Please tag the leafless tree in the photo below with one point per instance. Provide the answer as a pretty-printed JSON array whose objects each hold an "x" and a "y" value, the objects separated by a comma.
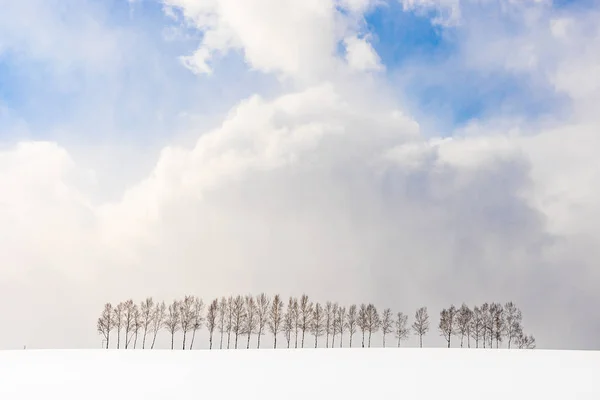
[
  {"x": 351, "y": 322},
  {"x": 186, "y": 316},
  {"x": 328, "y": 321},
  {"x": 172, "y": 320},
  {"x": 463, "y": 324},
  {"x": 373, "y": 321},
  {"x": 239, "y": 318},
  {"x": 251, "y": 318},
  {"x": 421, "y": 324},
  {"x": 402, "y": 329},
  {"x": 340, "y": 323},
  {"x": 334, "y": 328},
  {"x": 447, "y": 324},
  {"x": 386, "y": 323},
  {"x": 525, "y": 341},
  {"x": 146, "y": 309},
  {"x": 513, "y": 319},
  {"x": 137, "y": 324},
  {"x": 105, "y": 323},
  {"x": 262, "y": 312},
  {"x": 288, "y": 321},
  {"x": 197, "y": 318},
  {"x": 229, "y": 319},
  {"x": 486, "y": 323},
  {"x": 222, "y": 319},
  {"x": 128, "y": 316},
  {"x": 158, "y": 318},
  {"x": 211, "y": 321},
  {"x": 498, "y": 328},
  {"x": 317, "y": 322},
  {"x": 477, "y": 326},
  {"x": 118, "y": 313},
  {"x": 296, "y": 319},
  {"x": 362, "y": 321},
  {"x": 306, "y": 311},
  {"x": 275, "y": 317}
]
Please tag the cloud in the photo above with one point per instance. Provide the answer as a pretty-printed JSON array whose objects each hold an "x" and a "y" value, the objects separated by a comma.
[{"x": 326, "y": 186}]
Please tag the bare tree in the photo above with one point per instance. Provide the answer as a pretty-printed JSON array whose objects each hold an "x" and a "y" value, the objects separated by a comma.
[
  {"x": 229, "y": 319},
  {"x": 486, "y": 323},
  {"x": 513, "y": 319},
  {"x": 351, "y": 322},
  {"x": 497, "y": 331},
  {"x": 463, "y": 323},
  {"x": 317, "y": 322},
  {"x": 197, "y": 318},
  {"x": 275, "y": 317},
  {"x": 340, "y": 323},
  {"x": 402, "y": 329},
  {"x": 128, "y": 316},
  {"x": 288, "y": 321},
  {"x": 362, "y": 321},
  {"x": 373, "y": 321},
  {"x": 334, "y": 328},
  {"x": 328, "y": 320},
  {"x": 171, "y": 321},
  {"x": 447, "y": 324},
  {"x": 239, "y": 317},
  {"x": 186, "y": 316},
  {"x": 105, "y": 323},
  {"x": 251, "y": 318},
  {"x": 386, "y": 323},
  {"x": 137, "y": 324},
  {"x": 118, "y": 313},
  {"x": 421, "y": 324},
  {"x": 158, "y": 318},
  {"x": 146, "y": 308},
  {"x": 211, "y": 321},
  {"x": 262, "y": 312},
  {"x": 296, "y": 318},
  {"x": 222, "y": 319},
  {"x": 306, "y": 311},
  {"x": 477, "y": 326},
  {"x": 525, "y": 341}
]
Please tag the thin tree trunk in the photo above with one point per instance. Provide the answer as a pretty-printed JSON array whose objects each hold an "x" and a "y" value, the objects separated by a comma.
[
  {"x": 333, "y": 341},
  {"x": 421, "y": 341},
  {"x": 119, "y": 339},
  {"x": 192, "y": 341},
  {"x": 316, "y": 341},
  {"x": 221, "y": 342},
  {"x": 302, "y": 338},
  {"x": 210, "y": 338},
  {"x": 258, "y": 339},
  {"x": 350, "y": 344},
  {"x": 327, "y": 340},
  {"x": 248, "y": 343},
  {"x": 172, "y": 340},
  {"x": 384, "y": 341},
  {"x": 228, "y": 339},
  {"x": 369, "y": 339},
  {"x": 296, "y": 339},
  {"x": 363, "y": 339},
  {"x": 183, "y": 340},
  {"x": 153, "y": 340},
  {"x": 144, "y": 339},
  {"x": 107, "y": 339},
  {"x": 135, "y": 341},
  {"x": 236, "y": 339},
  {"x": 275, "y": 341}
]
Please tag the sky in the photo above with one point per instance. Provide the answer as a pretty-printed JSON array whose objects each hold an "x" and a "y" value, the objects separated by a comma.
[
  {"x": 364, "y": 373},
  {"x": 406, "y": 153}
]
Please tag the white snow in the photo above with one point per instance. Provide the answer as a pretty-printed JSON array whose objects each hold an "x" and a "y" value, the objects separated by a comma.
[{"x": 300, "y": 374}]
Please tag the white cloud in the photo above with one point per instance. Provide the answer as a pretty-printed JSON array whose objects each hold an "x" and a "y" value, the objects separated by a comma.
[{"x": 328, "y": 182}]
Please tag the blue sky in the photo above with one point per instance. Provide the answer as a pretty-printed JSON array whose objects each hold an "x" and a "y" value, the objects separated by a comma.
[{"x": 153, "y": 89}]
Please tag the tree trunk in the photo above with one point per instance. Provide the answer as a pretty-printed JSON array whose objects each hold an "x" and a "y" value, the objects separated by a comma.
[
  {"x": 421, "y": 341},
  {"x": 296, "y": 339},
  {"x": 210, "y": 341},
  {"x": 172, "y": 340},
  {"x": 258, "y": 339},
  {"x": 153, "y": 340},
  {"x": 144, "y": 339},
  {"x": 236, "y": 339},
  {"x": 316, "y": 341},
  {"x": 302, "y": 338},
  {"x": 363, "y": 339},
  {"x": 327, "y": 340},
  {"x": 332, "y": 341},
  {"x": 370, "y": 339},
  {"x": 350, "y": 345},
  {"x": 221, "y": 342},
  {"x": 135, "y": 341},
  {"x": 192, "y": 341},
  {"x": 228, "y": 339},
  {"x": 184, "y": 340},
  {"x": 248, "y": 343},
  {"x": 275, "y": 340},
  {"x": 118, "y": 339},
  {"x": 384, "y": 341},
  {"x": 107, "y": 339}
]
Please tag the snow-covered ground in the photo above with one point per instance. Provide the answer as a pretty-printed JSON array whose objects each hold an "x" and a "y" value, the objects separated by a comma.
[{"x": 300, "y": 374}]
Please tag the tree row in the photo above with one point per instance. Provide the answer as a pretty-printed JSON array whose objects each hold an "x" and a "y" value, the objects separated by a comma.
[{"x": 235, "y": 320}]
